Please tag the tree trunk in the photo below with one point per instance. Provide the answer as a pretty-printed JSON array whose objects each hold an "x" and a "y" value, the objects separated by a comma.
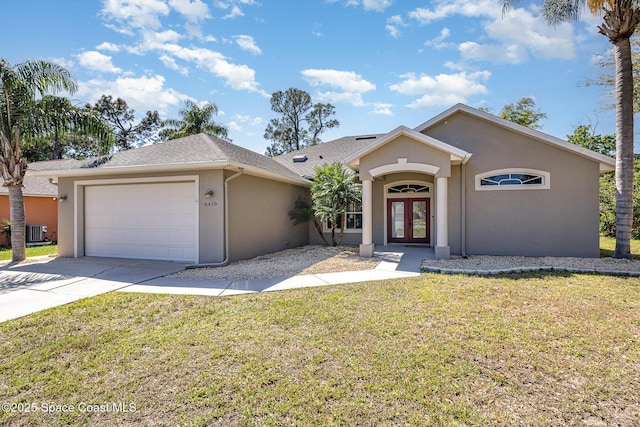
[
  {"x": 344, "y": 223},
  {"x": 624, "y": 147},
  {"x": 16, "y": 215}
]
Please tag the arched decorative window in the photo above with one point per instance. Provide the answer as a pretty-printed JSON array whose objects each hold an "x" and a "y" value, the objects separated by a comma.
[
  {"x": 513, "y": 179},
  {"x": 408, "y": 188}
]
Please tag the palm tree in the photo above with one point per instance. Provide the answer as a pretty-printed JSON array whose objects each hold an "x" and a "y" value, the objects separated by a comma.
[
  {"x": 620, "y": 19},
  {"x": 56, "y": 119},
  {"x": 333, "y": 190},
  {"x": 194, "y": 120},
  {"x": 302, "y": 212},
  {"x": 20, "y": 85}
]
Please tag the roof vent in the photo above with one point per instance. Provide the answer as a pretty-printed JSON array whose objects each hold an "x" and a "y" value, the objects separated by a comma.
[
  {"x": 365, "y": 137},
  {"x": 299, "y": 158}
]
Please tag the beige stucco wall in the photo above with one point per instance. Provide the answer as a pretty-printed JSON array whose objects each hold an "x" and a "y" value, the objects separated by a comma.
[
  {"x": 405, "y": 147},
  {"x": 259, "y": 221},
  {"x": 560, "y": 221}
]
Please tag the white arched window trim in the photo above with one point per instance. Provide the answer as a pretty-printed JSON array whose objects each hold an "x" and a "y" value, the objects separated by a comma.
[{"x": 546, "y": 180}]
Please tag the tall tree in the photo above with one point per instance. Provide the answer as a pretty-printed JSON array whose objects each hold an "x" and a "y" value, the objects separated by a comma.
[
  {"x": 585, "y": 136},
  {"x": 122, "y": 119},
  {"x": 524, "y": 112},
  {"x": 333, "y": 190},
  {"x": 56, "y": 125},
  {"x": 194, "y": 120},
  {"x": 20, "y": 86},
  {"x": 301, "y": 124},
  {"x": 620, "y": 19}
]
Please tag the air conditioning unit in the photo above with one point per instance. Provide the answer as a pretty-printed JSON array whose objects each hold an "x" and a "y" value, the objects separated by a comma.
[{"x": 35, "y": 233}]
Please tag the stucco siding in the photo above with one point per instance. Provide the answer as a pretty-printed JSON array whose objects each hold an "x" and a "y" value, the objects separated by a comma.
[
  {"x": 38, "y": 210},
  {"x": 258, "y": 217},
  {"x": 559, "y": 221},
  {"x": 405, "y": 147}
]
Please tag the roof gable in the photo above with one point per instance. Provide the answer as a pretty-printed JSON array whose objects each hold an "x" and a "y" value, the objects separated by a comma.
[
  {"x": 456, "y": 155},
  {"x": 606, "y": 163}
]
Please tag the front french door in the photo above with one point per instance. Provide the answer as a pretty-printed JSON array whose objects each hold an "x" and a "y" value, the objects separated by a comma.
[{"x": 408, "y": 220}]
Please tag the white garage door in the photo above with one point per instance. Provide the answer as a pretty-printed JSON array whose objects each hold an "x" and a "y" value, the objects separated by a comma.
[{"x": 145, "y": 221}]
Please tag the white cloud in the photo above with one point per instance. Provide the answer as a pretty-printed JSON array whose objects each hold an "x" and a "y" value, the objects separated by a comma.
[
  {"x": 194, "y": 10},
  {"x": 511, "y": 38},
  {"x": 66, "y": 63},
  {"x": 247, "y": 43},
  {"x": 440, "y": 41},
  {"x": 375, "y": 5},
  {"x": 382, "y": 109},
  {"x": 234, "y": 7},
  {"x": 111, "y": 47},
  {"x": 350, "y": 84},
  {"x": 141, "y": 93},
  {"x": 393, "y": 26},
  {"x": 171, "y": 63},
  {"x": 443, "y": 89},
  {"x": 136, "y": 13},
  {"x": 234, "y": 126},
  {"x": 97, "y": 61}
]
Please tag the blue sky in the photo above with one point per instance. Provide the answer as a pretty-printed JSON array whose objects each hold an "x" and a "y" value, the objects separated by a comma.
[{"x": 382, "y": 63}]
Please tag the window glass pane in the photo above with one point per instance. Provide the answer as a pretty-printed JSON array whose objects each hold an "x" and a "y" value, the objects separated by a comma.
[
  {"x": 419, "y": 227},
  {"x": 354, "y": 221},
  {"x": 397, "y": 220}
]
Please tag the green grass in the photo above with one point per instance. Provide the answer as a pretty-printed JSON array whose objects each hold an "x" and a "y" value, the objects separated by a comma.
[
  {"x": 6, "y": 254},
  {"x": 539, "y": 349},
  {"x": 608, "y": 245}
]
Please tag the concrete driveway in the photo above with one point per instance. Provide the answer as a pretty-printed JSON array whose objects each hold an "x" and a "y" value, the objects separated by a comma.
[{"x": 28, "y": 288}]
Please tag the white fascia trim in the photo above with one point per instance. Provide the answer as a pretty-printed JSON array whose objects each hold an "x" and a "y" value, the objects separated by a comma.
[
  {"x": 455, "y": 153},
  {"x": 169, "y": 167},
  {"x": 545, "y": 186},
  {"x": 172, "y": 167},
  {"x": 404, "y": 167},
  {"x": 607, "y": 164}
]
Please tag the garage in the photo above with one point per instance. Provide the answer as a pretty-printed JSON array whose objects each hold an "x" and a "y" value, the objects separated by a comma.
[{"x": 141, "y": 220}]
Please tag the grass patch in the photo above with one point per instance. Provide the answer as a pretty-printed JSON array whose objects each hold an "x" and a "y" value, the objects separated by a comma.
[
  {"x": 536, "y": 349},
  {"x": 7, "y": 253},
  {"x": 608, "y": 246}
]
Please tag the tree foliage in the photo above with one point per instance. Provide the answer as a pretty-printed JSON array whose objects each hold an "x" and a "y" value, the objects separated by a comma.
[
  {"x": 128, "y": 133},
  {"x": 194, "y": 120},
  {"x": 585, "y": 136},
  {"x": 524, "y": 113},
  {"x": 20, "y": 88},
  {"x": 333, "y": 190},
  {"x": 302, "y": 213},
  {"x": 56, "y": 126},
  {"x": 301, "y": 122},
  {"x": 620, "y": 18}
]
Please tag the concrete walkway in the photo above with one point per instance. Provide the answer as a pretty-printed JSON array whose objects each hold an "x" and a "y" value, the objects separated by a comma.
[{"x": 29, "y": 288}]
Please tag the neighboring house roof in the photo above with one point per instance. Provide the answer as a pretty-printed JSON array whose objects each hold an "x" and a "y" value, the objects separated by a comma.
[
  {"x": 36, "y": 187},
  {"x": 326, "y": 153},
  {"x": 40, "y": 186},
  {"x": 193, "y": 152},
  {"x": 607, "y": 163}
]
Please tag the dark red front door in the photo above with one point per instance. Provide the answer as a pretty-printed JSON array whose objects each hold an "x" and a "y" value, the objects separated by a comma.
[{"x": 408, "y": 220}]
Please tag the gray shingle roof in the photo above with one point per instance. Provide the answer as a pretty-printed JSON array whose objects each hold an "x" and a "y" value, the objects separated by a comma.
[
  {"x": 326, "y": 153},
  {"x": 201, "y": 148}
]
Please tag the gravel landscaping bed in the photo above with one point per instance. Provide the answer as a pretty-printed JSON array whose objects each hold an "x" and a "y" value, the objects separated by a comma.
[
  {"x": 310, "y": 259},
  {"x": 485, "y": 265}
]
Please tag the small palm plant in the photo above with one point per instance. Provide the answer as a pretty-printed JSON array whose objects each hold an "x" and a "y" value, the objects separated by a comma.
[
  {"x": 334, "y": 188},
  {"x": 303, "y": 212},
  {"x": 6, "y": 230}
]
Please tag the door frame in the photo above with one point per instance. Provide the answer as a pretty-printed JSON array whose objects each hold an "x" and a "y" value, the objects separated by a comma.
[
  {"x": 430, "y": 206},
  {"x": 408, "y": 220}
]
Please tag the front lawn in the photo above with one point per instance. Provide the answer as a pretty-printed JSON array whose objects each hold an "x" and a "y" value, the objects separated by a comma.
[
  {"x": 538, "y": 349},
  {"x": 6, "y": 253},
  {"x": 608, "y": 246}
]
